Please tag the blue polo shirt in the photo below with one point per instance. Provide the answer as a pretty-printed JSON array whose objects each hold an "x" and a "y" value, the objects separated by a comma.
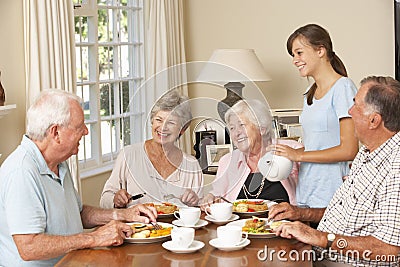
[{"x": 34, "y": 200}]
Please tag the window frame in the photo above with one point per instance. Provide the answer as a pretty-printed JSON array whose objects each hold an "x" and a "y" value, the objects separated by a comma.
[{"x": 100, "y": 161}]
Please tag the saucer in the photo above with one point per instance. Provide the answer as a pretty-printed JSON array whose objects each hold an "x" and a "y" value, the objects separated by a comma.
[
  {"x": 199, "y": 224},
  {"x": 232, "y": 218},
  {"x": 196, "y": 245},
  {"x": 215, "y": 243}
]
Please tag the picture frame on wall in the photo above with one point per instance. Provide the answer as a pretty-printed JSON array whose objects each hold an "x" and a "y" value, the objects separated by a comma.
[{"x": 215, "y": 152}]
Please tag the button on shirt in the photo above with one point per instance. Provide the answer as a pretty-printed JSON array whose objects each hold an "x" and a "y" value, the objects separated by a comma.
[{"x": 368, "y": 203}]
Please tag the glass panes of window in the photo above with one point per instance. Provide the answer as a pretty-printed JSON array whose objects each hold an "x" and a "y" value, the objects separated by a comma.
[
  {"x": 104, "y": 2},
  {"x": 82, "y": 63},
  {"x": 83, "y": 92},
  {"x": 108, "y": 135},
  {"x": 81, "y": 27},
  {"x": 106, "y": 100},
  {"x": 123, "y": 28},
  {"x": 106, "y": 58},
  {"x": 123, "y": 61},
  {"x": 109, "y": 64},
  {"x": 125, "y": 97},
  {"x": 126, "y": 130},
  {"x": 105, "y": 33}
]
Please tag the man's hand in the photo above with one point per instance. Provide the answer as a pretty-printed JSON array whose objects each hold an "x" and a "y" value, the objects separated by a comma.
[
  {"x": 302, "y": 232},
  {"x": 111, "y": 234},
  {"x": 283, "y": 211},
  {"x": 139, "y": 213},
  {"x": 121, "y": 198}
]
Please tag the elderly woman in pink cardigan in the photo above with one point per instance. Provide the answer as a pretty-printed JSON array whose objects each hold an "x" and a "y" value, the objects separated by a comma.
[{"x": 238, "y": 177}]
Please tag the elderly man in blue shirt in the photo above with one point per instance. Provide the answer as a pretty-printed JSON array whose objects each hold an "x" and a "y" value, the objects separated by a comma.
[{"x": 41, "y": 215}]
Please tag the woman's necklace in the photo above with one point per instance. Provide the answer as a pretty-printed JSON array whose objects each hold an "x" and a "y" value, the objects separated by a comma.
[{"x": 246, "y": 191}]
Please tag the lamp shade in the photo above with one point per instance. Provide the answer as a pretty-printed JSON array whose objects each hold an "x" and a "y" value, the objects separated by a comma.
[{"x": 233, "y": 65}]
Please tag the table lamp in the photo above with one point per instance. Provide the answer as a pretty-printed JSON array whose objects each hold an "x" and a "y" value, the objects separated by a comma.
[{"x": 232, "y": 67}]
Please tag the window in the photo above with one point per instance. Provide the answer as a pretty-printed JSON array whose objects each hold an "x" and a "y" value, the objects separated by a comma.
[{"x": 109, "y": 72}]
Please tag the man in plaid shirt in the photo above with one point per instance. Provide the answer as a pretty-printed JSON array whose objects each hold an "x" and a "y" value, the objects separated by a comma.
[{"x": 361, "y": 225}]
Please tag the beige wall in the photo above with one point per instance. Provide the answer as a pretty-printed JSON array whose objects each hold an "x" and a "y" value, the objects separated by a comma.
[
  {"x": 362, "y": 33},
  {"x": 92, "y": 188},
  {"x": 12, "y": 126}
]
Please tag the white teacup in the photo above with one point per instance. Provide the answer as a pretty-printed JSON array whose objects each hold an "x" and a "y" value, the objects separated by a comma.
[
  {"x": 231, "y": 235},
  {"x": 189, "y": 216},
  {"x": 182, "y": 237},
  {"x": 220, "y": 211}
]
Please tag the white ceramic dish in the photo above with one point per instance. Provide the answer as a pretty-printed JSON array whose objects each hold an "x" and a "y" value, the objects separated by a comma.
[
  {"x": 196, "y": 245},
  {"x": 242, "y": 222},
  {"x": 214, "y": 242},
  {"x": 231, "y": 219},
  {"x": 255, "y": 213},
  {"x": 199, "y": 224},
  {"x": 164, "y": 215},
  {"x": 149, "y": 239}
]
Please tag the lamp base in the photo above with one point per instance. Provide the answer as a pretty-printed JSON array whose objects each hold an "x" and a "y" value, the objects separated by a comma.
[{"x": 233, "y": 95}]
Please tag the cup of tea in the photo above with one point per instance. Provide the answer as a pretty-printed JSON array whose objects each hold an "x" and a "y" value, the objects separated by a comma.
[
  {"x": 231, "y": 235},
  {"x": 189, "y": 216},
  {"x": 182, "y": 237},
  {"x": 220, "y": 211}
]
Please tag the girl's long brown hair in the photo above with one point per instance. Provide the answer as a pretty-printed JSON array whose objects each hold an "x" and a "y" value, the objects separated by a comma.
[{"x": 317, "y": 36}]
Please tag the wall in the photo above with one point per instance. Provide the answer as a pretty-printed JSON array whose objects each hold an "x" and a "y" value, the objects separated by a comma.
[
  {"x": 12, "y": 126},
  {"x": 92, "y": 188},
  {"x": 362, "y": 32}
]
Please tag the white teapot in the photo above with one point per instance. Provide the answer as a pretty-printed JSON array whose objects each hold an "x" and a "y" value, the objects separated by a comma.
[{"x": 275, "y": 168}]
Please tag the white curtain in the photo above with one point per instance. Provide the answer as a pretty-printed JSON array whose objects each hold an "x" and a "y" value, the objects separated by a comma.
[
  {"x": 50, "y": 53},
  {"x": 165, "y": 52}
]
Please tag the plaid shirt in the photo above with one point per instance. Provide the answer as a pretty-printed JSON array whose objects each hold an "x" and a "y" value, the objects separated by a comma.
[{"x": 368, "y": 203}]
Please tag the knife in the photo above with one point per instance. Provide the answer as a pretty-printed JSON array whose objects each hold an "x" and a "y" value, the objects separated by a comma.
[{"x": 134, "y": 197}]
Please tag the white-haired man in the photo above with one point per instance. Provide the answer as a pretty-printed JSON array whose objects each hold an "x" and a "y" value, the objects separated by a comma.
[{"x": 41, "y": 215}]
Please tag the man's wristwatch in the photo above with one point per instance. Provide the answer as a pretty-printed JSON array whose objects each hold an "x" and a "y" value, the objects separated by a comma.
[{"x": 331, "y": 237}]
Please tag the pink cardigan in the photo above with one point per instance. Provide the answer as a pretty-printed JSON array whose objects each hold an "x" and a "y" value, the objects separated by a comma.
[{"x": 233, "y": 171}]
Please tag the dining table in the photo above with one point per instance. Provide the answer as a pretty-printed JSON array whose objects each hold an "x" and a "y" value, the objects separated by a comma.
[{"x": 272, "y": 251}]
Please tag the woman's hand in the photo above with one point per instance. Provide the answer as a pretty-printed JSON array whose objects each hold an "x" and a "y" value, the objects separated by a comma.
[
  {"x": 207, "y": 201},
  {"x": 121, "y": 198},
  {"x": 190, "y": 198},
  {"x": 288, "y": 152}
]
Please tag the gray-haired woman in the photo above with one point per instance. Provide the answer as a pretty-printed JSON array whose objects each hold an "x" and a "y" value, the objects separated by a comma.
[
  {"x": 238, "y": 177},
  {"x": 157, "y": 167}
]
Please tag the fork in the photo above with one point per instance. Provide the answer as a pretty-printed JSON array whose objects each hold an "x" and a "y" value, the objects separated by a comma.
[
  {"x": 156, "y": 225},
  {"x": 170, "y": 196}
]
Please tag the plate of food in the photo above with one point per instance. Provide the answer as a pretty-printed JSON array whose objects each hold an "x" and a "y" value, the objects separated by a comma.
[
  {"x": 256, "y": 227},
  {"x": 145, "y": 233},
  {"x": 251, "y": 207},
  {"x": 164, "y": 209}
]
